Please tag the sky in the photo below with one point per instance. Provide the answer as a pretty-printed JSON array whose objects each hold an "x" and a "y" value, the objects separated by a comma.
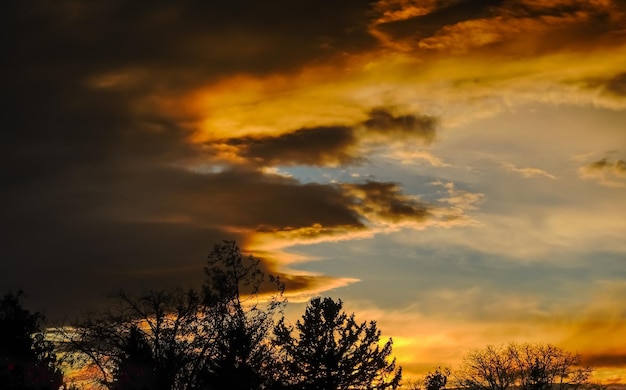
[{"x": 454, "y": 170}]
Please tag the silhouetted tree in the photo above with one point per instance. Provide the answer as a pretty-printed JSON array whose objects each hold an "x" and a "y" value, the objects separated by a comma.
[
  {"x": 332, "y": 351},
  {"x": 136, "y": 368},
  {"x": 27, "y": 360},
  {"x": 243, "y": 318},
  {"x": 212, "y": 339},
  {"x": 546, "y": 367},
  {"x": 436, "y": 380},
  {"x": 526, "y": 366},
  {"x": 161, "y": 329},
  {"x": 492, "y": 368}
]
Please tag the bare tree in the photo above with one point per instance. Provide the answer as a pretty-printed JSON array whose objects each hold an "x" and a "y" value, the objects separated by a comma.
[
  {"x": 526, "y": 366},
  {"x": 183, "y": 340},
  {"x": 167, "y": 321},
  {"x": 492, "y": 368},
  {"x": 546, "y": 367}
]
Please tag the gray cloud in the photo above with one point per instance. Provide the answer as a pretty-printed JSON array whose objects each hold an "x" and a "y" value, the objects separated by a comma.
[
  {"x": 386, "y": 202},
  {"x": 418, "y": 126},
  {"x": 331, "y": 145},
  {"x": 312, "y": 146},
  {"x": 97, "y": 194},
  {"x": 93, "y": 189}
]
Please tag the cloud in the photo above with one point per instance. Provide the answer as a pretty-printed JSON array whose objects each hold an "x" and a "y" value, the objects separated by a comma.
[
  {"x": 461, "y": 26},
  {"x": 605, "y": 172},
  {"x": 325, "y": 145},
  {"x": 315, "y": 146},
  {"x": 383, "y": 122},
  {"x": 401, "y": 23},
  {"x": 527, "y": 172},
  {"x": 617, "y": 85},
  {"x": 457, "y": 205},
  {"x": 191, "y": 37},
  {"x": 384, "y": 202},
  {"x": 605, "y": 360}
]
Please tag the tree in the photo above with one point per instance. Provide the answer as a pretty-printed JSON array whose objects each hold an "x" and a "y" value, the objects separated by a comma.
[
  {"x": 159, "y": 331},
  {"x": 489, "y": 369},
  {"x": 546, "y": 367},
  {"x": 526, "y": 366},
  {"x": 212, "y": 338},
  {"x": 27, "y": 360},
  {"x": 436, "y": 380},
  {"x": 241, "y": 358},
  {"x": 332, "y": 351},
  {"x": 136, "y": 366}
]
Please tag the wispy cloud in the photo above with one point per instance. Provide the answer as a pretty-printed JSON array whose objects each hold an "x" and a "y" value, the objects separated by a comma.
[{"x": 527, "y": 172}]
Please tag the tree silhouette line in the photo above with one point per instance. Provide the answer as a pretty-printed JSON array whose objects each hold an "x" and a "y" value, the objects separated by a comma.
[{"x": 231, "y": 334}]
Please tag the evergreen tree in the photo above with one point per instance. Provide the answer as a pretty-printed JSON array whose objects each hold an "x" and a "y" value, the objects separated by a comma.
[{"x": 331, "y": 351}]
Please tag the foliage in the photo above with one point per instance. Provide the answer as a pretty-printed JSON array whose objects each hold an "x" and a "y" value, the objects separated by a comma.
[
  {"x": 525, "y": 366},
  {"x": 212, "y": 339},
  {"x": 135, "y": 366},
  {"x": 332, "y": 351},
  {"x": 241, "y": 358},
  {"x": 27, "y": 360},
  {"x": 436, "y": 380},
  {"x": 157, "y": 329}
]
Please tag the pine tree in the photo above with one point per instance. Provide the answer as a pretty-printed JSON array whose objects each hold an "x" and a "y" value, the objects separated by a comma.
[{"x": 332, "y": 351}]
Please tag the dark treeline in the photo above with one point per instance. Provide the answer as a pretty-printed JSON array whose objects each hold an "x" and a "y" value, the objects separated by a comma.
[
  {"x": 228, "y": 334},
  {"x": 231, "y": 333}
]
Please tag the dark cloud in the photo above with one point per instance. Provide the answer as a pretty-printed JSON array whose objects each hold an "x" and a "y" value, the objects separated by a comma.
[
  {"x": 313, "y": 146},
  {"x": 617, "y": 167},
  {"x": 445, "y": 13},
  {"x": 330, "y": 145},
  {"x": 617, "y": 85},
  {"x": 183, "y": 42},
  {"x": 612, "y": 86},
  {"x": 98, "y": 187},
  {"x": 418, "y": 126},
  {"x": 605, "y": 360},
  {"x": 381, "y": 201},
  {"x": 506, "y": 27},
  {"x": 76, "y": 235}
]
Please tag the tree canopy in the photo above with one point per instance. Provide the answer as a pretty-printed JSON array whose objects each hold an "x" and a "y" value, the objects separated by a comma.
[
  {"x": 27, "y": 360},
  {"x": 228, "y": 335},
  {"x": 330, "y": 350},
  {"x": 212, "y": 338}
]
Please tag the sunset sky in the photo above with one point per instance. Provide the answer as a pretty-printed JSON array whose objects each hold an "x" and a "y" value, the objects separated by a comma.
[{"x": 455, "y": 170}]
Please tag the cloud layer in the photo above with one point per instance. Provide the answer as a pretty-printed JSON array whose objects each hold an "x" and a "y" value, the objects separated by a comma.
[{"x": 378, "y": 138}]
